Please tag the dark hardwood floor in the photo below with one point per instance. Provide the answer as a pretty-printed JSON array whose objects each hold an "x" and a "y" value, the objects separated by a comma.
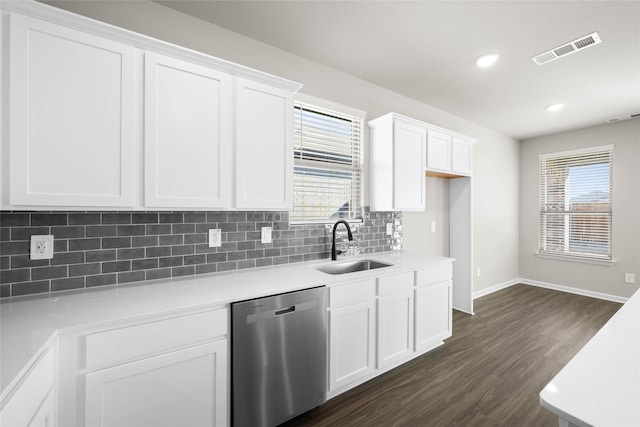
[{"x": 489, "y": 373}]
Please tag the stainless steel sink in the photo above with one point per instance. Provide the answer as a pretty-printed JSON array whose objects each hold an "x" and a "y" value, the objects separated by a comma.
[{"x": 351, "y": 266}]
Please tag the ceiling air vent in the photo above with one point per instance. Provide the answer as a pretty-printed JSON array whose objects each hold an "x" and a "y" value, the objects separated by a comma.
[
  {"x": 618, "y": 119},
  {"x": 567, "y": 49}
]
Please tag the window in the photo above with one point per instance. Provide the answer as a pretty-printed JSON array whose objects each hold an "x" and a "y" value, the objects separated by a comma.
[
  {"x": 575, "y": 203},
  {"x": 327, "y": 179}
]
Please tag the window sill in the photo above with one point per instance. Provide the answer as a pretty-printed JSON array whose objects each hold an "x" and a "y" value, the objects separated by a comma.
[{"x": 609, "y": 263}]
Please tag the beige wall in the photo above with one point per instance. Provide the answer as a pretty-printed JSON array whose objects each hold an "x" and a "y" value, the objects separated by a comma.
[
  {"x": 626, "y": 205},
  {"x": 495, "y": 155}
]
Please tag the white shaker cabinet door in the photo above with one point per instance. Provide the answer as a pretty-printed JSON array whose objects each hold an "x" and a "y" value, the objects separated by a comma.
[
  {"x": 187, "y": 135},
  {"x": 439, "y": 152},
  {"x": 395, "y": 328},
  {"x": 351, "y": 344},
  {"x": 461, "y": 157},
  {"x": 72, "y": 105},
  {"x": 433, "y": 315},
  {"x": 264, "y": 147},
  {"x": 409, "y": 166},
  {"x": 182, "y": 388}
]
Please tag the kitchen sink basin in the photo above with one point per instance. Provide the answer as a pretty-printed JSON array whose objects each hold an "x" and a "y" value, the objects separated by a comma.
[{"x": 351, "y": 266}]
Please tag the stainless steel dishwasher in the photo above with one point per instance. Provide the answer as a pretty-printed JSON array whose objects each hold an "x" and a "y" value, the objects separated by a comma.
[{"x": 279, "y": 357}]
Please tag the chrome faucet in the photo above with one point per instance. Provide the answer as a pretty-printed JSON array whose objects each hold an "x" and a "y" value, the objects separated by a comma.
[{"x": 333, "y": 237}]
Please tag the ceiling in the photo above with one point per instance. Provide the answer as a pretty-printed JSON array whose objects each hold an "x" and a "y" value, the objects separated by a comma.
[{"x": 426, "y": 51}]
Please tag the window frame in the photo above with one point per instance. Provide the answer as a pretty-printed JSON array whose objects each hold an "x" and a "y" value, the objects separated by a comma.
[
  {"x": 325, "y": 106},
  {"x": 567, "y": 157}
]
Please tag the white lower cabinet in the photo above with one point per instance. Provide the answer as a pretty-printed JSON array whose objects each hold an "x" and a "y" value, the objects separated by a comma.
[
  {"x": 352, "y": 344},
  {"x": 395, "y": 318},
  {"x": 167, "y": 371},
  {"x": 185, "y": 387},
  {"x": 433, "y": 306},
  {"x": 32, "y": 403},
  {"x": 378, "y": 323},
  {"x": 352, "y": 330},
  {"x": 433, "y": 315}
]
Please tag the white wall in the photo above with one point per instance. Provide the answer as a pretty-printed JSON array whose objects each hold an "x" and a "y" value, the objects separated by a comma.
[
  {"x": 495, "y": 155},
  {"x": 626, "y": 207}
]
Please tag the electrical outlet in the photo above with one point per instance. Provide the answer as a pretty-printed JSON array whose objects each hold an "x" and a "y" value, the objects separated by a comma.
[
  {"x": 433, "y": 226},
  {"x": 478, "y": 272},
  {"x": 389, "y": 228},
  {"x": 629, "y": 278},
  {"x": 215, "y": 238},
  {"x": 266, "y": 235},
  {"x": 42, "y": 247}
]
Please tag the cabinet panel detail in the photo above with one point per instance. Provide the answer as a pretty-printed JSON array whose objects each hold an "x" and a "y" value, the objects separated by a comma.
[
  {"x": 352, "y": 344},
  {"x": 395, "y": 328},
  {"x": 130, "y": 342},
  {"x": 186, "y": 387},
  {"x": 72, "y": 103},
  {"x": 264, "y": 147},
  {"x": 187, "y": 135}
]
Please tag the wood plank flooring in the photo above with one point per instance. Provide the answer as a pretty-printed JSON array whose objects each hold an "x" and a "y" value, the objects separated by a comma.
[{"x": 489, "y": 373}]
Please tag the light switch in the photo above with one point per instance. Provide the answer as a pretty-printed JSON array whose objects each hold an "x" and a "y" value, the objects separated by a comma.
[
  {"x": 215, "y": 238},
  {"x": 433, "y": 226},
  {"x": 389, "y": 228},
  {"x": 266, "y": 235}
]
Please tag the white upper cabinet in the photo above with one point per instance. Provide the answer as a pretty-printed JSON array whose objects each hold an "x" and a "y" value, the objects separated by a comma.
[
  {"x": 103, "y": 118},
  {"x": 398, "y": 156},
  {"x": 461, "y": 157},
  {"x": 187, "y": 135},
  {"x": 72, "y": 113},
  {"x": 439, "y": 151},
  {"x": 264, "y": 146},
  {"x": 448, "y": 154}
]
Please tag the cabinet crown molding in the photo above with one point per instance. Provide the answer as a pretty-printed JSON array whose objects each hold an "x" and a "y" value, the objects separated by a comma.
[{"x": 140, "y": 41}]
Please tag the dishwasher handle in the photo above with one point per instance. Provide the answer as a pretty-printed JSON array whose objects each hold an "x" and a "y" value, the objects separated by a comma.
[
  {"x": 270, "y": 314},
  {"x": 286, "y": 310}
]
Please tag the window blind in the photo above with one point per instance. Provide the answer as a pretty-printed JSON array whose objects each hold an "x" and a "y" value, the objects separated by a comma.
[
  {"x": 327, "y": 182},
  {"x": 576, "y": 203}
]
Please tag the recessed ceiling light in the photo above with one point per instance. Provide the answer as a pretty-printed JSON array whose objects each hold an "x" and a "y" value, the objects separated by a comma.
[
  {"x": 554, "y": 107},
  {"x": 487, "y": 60}
]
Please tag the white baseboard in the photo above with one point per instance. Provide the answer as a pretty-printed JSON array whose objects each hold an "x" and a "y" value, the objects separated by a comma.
[
  {"x": 495, "y": 288},
  {"x": 571, "y": 290},
  {"x": 546, "y": 285}
]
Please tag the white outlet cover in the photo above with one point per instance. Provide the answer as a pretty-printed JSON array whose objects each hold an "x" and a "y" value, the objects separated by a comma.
[
  {"x": 630, "y": 278},
  {"x": 215, "y": 237},
  {"x": 42, "y": 247},
  {"x": 266, "y": 235},
  {"x": 389, "y": 229}
]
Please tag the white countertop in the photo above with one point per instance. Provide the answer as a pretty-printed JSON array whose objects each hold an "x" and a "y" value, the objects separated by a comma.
[
  {"x": 600, "y": 386},
  {"x": 28, "y": 324}
]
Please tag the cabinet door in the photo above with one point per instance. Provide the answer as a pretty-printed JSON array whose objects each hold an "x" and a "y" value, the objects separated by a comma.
[
  {"x": 433, "y": 315},
  {"x": 395, "y": 328},
  {"x": 264, "y": 147},
  {"x": 32, "y": 403},
  {"x": 351, "y": 344},
  {"x": 461, "y": 158},
  {"x": 72, "y": 117},
  {"x": 409, "y": 167},
  {"x": 187, "y": 135},
  {"x": 439, "y": 152},
  {"x": 183, "y": 388}
]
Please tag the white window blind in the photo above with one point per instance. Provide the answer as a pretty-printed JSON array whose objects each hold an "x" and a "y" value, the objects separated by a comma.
[
  {"x": 327, "y": 183},
  {"x": 576, "y": 204}
]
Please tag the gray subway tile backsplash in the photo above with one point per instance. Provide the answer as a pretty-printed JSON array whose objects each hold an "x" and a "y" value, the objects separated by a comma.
[{"x": 106, "y": 248}]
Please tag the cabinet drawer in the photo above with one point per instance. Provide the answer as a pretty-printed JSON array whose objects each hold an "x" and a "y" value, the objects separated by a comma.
[
  {"x": 435, "y": 274},
  {"x": 395, "y": 284},
  {"x": 352, "y": 293},
  {"x": 144, "y": 339}
]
